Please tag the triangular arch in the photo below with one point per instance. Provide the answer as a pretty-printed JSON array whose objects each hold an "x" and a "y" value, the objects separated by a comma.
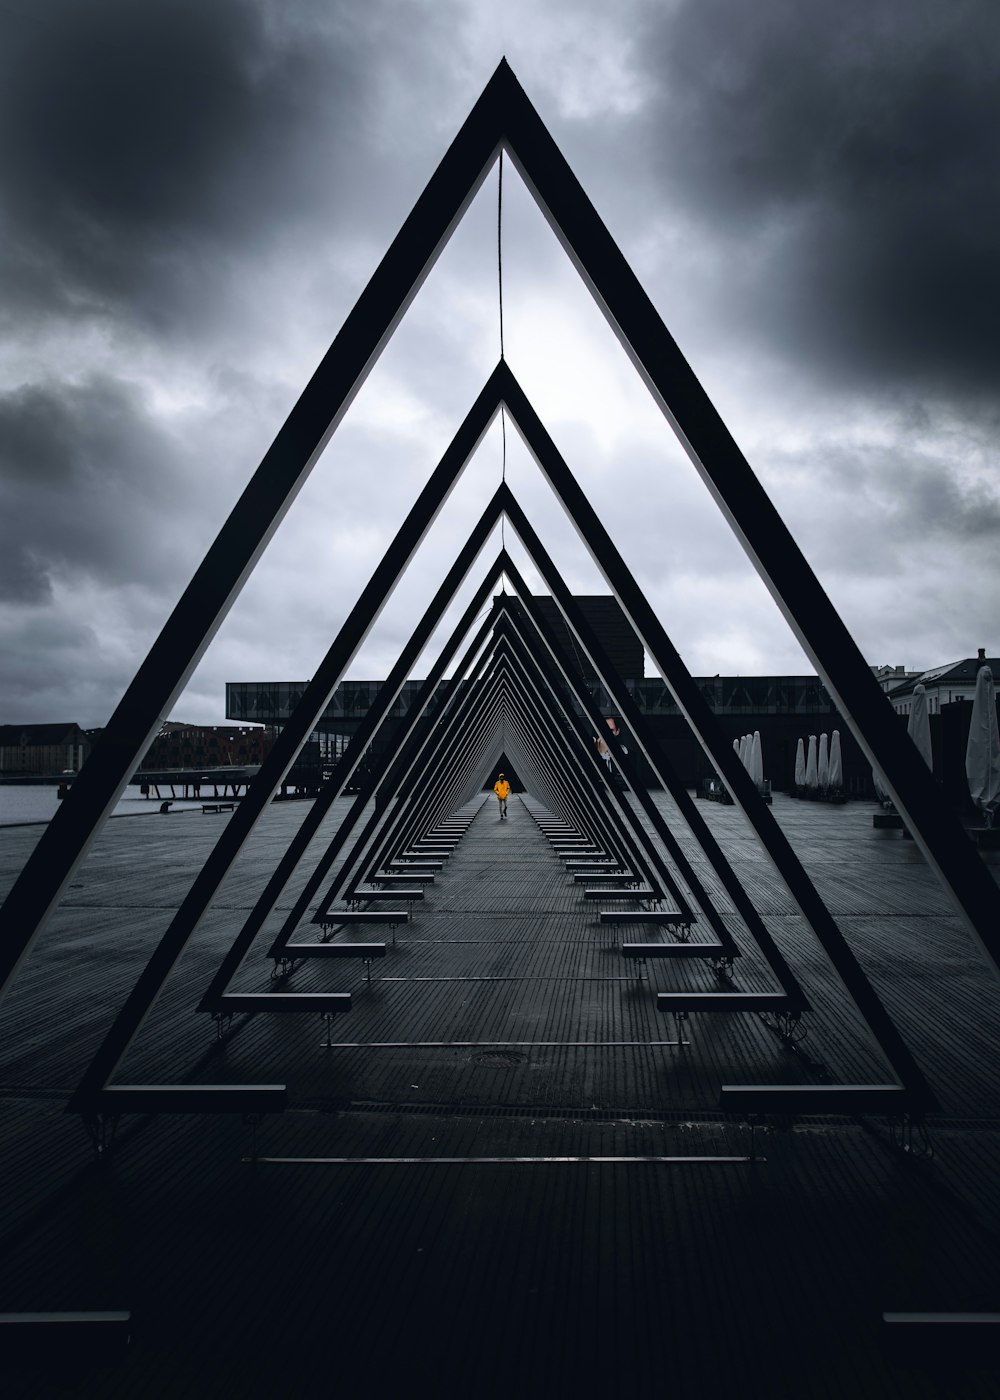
[{"x": 502, "y": 117}]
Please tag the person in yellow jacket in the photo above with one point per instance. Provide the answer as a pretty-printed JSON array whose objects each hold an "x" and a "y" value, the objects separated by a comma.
[{"x": 502, "y": 789}]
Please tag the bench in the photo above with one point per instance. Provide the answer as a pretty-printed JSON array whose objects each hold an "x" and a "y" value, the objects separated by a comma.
[
  {"x": 984, "y": 838},
  {"x": 787, "y": 1099},
  {"x": 723, "y": 1001},
  {"x": 950, "y": 1340},
  {"x": 391, "y": 877},
  {"x": 642, "y": 916},
  {"x": 610, "y": 877},
  {"x": 333, "y": 919},
  {"x": 676, "y": 950},
  {"x": 330, "y": 918},
  {"x": 326, "y": 1003},
  {"x": 193, "y": 1098},
  {"x": 64, "y": 1338},
  {"x": 207, "y": 807},
  {"x": 646, "y": 893},
  {"x": 357, "y": 895},
  {"x": 365, "y": 951}
]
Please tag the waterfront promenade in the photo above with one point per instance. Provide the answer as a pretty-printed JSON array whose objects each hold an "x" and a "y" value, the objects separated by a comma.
[{"x": 503, "y": 1025}]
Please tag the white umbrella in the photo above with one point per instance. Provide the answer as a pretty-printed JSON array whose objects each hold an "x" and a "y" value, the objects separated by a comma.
[
  {"x": 757, "y": 760},
  {"x": 743, "y": 750},
  {"x": 836, "y": 763},
  {"x": 918, "y": 726},
  {"x": 881, "y": 791},
  {"x": 824, "y": 763},
  {"x": 982, "y": 755},
  {"x": 736, "y": 747},
  {"x": 800, "y": 765},
  {"x": 812, "y": 772}
]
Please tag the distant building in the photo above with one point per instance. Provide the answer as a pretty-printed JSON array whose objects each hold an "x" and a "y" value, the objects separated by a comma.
[
  {"x": 606, "y": 619},
  {"x": 42, "y": 748},
  {"x": 181, "y": 745},
  {"x": 890, "y": 676},
  {"x": 944, "y": 684}
]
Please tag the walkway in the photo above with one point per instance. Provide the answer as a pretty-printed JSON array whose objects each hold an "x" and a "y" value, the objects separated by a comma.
[{"x": 463, "y": 1272}]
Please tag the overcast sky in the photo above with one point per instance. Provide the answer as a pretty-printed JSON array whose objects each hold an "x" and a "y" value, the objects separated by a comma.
[{"x": 195, "y": 192}]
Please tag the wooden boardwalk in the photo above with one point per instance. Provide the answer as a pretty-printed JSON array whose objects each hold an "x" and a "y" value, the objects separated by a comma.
[{"x": 429, "y": 1213}]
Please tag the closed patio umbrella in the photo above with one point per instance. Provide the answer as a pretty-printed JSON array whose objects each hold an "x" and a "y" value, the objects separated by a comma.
[
  {"x": 824, "y": 763},
  {"x": 812, "y": 769},
  {"x": 881, "y": 791},
  {"x": 800, "y": 765},
  {"x": 743, "y": 750},
  {"x": 757, "y": 760},
  {"x": 836, "y": 763},
  {"x": 982, "y": 754},
  {"x": 918, "y": 726}
]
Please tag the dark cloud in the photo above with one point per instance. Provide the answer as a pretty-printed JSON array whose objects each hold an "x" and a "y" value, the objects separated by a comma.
[
  {"x": 845, "y": 155},
  {"x": 144, "y": 145},
  {"x": 85, "y": 480}
]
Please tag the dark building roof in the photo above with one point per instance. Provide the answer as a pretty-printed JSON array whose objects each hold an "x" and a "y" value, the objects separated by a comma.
[
  {"x": 609, "y": 624},
  {"x": 955, "y": 672},
  {"x": 39, "y": 735}
]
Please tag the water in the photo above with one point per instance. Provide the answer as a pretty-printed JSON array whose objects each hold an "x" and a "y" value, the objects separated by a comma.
[{"x": 38, "y": 804}]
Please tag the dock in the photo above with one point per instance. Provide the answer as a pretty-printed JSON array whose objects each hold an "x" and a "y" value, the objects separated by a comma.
[{"x": 503, "y": 1171}]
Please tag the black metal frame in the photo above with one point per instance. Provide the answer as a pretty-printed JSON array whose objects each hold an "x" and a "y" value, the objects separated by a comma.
[{"x": 502, "y": 118}]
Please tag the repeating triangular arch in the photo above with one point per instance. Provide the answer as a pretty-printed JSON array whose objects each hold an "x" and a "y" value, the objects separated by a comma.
[{"x": 503, "y": 117}]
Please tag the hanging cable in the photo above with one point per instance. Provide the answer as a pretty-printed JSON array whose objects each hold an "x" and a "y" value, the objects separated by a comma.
[
  {"x": 500, "y": 246},
  {"x": 503, "y": 466},
  {"x": 503, "y": 418}
]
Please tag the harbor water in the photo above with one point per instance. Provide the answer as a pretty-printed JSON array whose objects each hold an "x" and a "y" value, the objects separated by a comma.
[{"x": 30, "y": 803}]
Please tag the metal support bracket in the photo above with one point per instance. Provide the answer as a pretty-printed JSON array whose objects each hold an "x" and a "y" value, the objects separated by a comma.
[
  {"x": 223, "y": 1020},
  {"x": 908, "y": 1135},
  {"x": 785, "y": 1025},
  {"x": 101, "y": 1129}
]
